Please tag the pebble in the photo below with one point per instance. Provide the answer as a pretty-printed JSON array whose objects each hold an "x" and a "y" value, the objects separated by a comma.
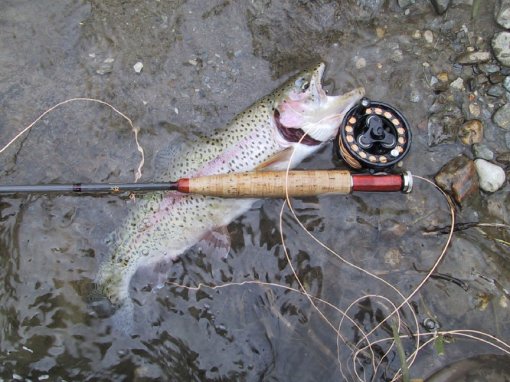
[
  {"x": 471, "y": 132},
  {"x": 458, "y": 178},
  {"x": 428, "y": 36},
  {"x": 443, "y": 77},
  {"x": 442, "y": 128},
  {"x": 397, "y": 55},
  {"x": 503, "y": 14},
  {"x": 405, "y": 3},
  {"x": 360, "y": 62},
  {"x": 489, "y": 68},
  {"x": 440, "y": 5},
  {"x": 470, "y": 58},
  {"x": 504, "y": 158},
  {"x": 380, "y": 32},
  {"x": 496, "y": 91},
  {"x": 507, "y": 140},
  {"x": 458, "y": 84},
  {"x": 506, "y": 83},
  {"x": 491, "y": 176},
  {"x": 106, "y": 66},
  {"x": 496, "y": 78},
  {"x": 501, "y": 47},
  {"x": 474, "y": 110},
  {"x": 138, "y": 67},
  {"x": 481, "y": 151},
  {"x": 415, "y": 96},
  {"x": 502, "y": 117}
]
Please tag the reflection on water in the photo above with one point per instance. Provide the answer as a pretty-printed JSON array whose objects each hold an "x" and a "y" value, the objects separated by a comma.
[{"x": 202, "y": 65}]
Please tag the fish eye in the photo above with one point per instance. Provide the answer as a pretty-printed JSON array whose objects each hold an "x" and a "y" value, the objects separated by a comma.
[{"x": 305, "y": 85}]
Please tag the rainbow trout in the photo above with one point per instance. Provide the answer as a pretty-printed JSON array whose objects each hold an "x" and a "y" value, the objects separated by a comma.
[{"x": 295, "y": 119}]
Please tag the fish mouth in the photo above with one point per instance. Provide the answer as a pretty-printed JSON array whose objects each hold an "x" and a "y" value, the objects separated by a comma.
[
  {"x": 344, "y": 102},
  {"x": 331, "y": 112}
]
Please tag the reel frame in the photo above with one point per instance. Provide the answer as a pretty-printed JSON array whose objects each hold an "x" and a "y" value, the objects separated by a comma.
[{"x": 374, "y": 136}]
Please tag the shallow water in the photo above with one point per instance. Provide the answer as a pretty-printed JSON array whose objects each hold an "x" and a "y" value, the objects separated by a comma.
[{"x": 203, "y": 64}]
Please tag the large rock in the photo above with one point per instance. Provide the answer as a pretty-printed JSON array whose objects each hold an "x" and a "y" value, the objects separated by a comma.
[
  {"x": 458, "y": 178},
  {"x": 503, "y": 13},
  {"x": 440, "y": 5},
  {"x": 502, "y": 117},
  {"x": 492, "y": 177},
  {"x": 501, "y": 47}
]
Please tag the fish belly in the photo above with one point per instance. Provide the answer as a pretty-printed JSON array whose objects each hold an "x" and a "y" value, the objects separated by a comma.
[{"x": 180, "y": 223}]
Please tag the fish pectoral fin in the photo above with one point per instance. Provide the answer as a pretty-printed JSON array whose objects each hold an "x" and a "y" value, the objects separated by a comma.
[
  {"x": 278, "y": 161},
  {"x": 215, "y": 242}
]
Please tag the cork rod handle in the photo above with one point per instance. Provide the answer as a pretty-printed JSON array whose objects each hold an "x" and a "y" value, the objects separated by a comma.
[{"x": 269, "y": 184}]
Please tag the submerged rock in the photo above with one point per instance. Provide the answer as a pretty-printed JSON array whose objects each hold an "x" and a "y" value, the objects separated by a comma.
[
  {"x": 504, "y": 158},
  {"x": 470, "y": 58},
  {"x": 502, "y": 117},
  {"x": 492, "y": 177},
  {"x": 443, "y": 125},
  {"x": 471, "y": 132},
  {"x": 440, "y": 5},
  {"x": 501, "y": 47},
  {"x": 503, "y": 13},
  {"x": 458, "y": 178},
  {"x": 483, "y": 152}
]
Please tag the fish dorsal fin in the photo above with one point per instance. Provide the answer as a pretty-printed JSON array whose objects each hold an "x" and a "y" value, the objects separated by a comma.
[
  {"x": 215, "y": 242},
  {"x": 278, "y": 161}
]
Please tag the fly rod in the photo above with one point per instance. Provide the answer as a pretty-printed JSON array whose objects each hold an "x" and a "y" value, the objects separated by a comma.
[{"x": 265, "y": 184}]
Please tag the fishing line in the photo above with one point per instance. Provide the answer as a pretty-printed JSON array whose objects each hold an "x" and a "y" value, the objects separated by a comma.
[
  {"x": 405, "y": 299},
  {"x": 135, "y": 130},
  {"x": 287, "y": 201}
]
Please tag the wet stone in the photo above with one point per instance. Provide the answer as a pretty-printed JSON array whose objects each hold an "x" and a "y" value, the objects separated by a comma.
[
  {"x": 503, "y": 13},
  {"x": 458, "y": 84},
  {"x": 458, "y": 178},
  {"x": 506, "y": 83},
  {"x": 428, "y": 36},
  {"x": 501, "y": 47},
  {"x": 471, "y": 132},
  {"x": 138, "y": 67},
  {"x": 481, "y": 151},
  {"x": 470, "y": 58},
  {"x": 502, "y": 117},
  {"x": 489, "y": 68},
  {"x": 504, "y": 158},
  {"x": 496, "y": 78},
  {"x": 492, "y": 177},
  {"x": 474, "y": 110},
  {"x": 405, "y": 3},
  {"x": 440, "y": 6},
  {"x": 496, "y": 91},
  {"x": 497, "y": 206},
  {"x": 444, "y": 123}
]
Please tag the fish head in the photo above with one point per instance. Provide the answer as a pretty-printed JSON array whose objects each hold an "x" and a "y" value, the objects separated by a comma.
[{"x": 302, "y": 106}]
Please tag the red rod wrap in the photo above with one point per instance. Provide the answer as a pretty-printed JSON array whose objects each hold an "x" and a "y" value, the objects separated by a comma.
[
  {"x": 377, "y": 183},
  {"x": 183, "y": 185}
]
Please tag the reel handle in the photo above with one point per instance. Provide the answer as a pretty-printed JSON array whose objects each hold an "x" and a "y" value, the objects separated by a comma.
[{"x": 276, "y": 184}]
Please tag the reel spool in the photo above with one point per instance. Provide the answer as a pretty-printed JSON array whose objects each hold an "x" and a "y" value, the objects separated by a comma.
[{"x": 373, "y": 135}]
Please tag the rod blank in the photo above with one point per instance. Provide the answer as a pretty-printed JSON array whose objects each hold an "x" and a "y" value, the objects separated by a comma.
[{"x": 111, "y": 188}]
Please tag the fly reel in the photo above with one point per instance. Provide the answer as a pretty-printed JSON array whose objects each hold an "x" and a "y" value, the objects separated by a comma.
[{"x": 373, "y": 135}]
